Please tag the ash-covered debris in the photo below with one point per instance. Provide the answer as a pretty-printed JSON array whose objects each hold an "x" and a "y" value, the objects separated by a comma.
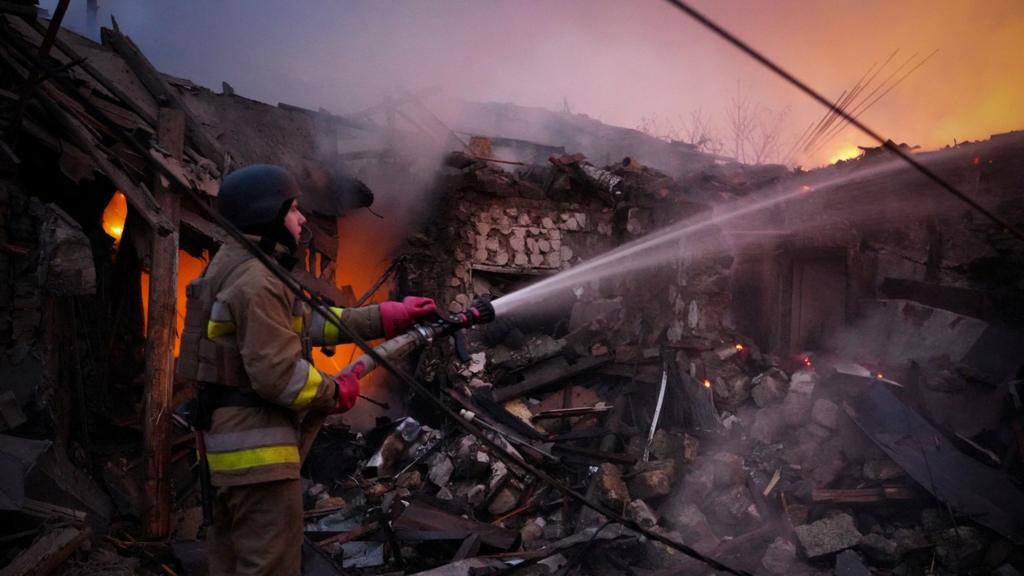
[{"x": 761, "y": 461}]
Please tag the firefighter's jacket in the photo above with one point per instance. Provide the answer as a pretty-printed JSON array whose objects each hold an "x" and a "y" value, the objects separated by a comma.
[{"x": 254, "y": 331}]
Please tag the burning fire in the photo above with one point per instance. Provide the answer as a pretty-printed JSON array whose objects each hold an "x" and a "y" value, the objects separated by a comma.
[
  {"x": 707, "y": 383},
  {"x": 739, "y": 348},
  {"x": 847, "y": 152},
  {"x": 189, "y": 268},
  {"x": 114, "y": 216}
]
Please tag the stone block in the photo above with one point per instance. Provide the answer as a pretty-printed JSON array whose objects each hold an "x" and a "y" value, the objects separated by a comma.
[
  {"x": 826, "y": 413},
  {"x": 504, "y": 502},
  {"x": 613, "y": 489},
  {"x": 803, "y": 382},
  {"x": 848, "y": 563},
  {"x": 688, "y": 520},
  {"x": 653, "y": 479},
  {"x": 796, "y": 408},
  {"x": 883, "y": 469},
  {"x": 779, "y": 557},
  {"x": 439, "y": 469},
  {"x": 639, "y": 512},
  {"x": 698, "y": 483},
  {"x": 769, "y": 425},
  {"x": 730, "y": 506},
  {"x": 769, "y": 387},
  {"x": 828, "y": 535},
  {"x": 728, "y": 469}
]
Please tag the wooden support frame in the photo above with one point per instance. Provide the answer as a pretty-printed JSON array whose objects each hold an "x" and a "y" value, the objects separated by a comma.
[
  {"x": 161, "y": 323},
  {"x": 162, "y": 92}
]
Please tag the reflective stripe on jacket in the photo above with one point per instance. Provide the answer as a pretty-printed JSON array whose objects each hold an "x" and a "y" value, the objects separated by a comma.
[{"x": 258, "y": 327}]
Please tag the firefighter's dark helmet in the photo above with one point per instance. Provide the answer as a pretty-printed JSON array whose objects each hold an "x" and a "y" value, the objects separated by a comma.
[{"x": 253, "y": 196}]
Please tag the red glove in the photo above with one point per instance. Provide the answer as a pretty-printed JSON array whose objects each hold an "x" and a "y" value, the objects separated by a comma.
[
  {"x": 348, "y": 388},
  {"x": 397, "y": 317}
]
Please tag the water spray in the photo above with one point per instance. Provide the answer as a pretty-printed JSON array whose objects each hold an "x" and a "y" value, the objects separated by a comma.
[{"x": 665, "y": 245}]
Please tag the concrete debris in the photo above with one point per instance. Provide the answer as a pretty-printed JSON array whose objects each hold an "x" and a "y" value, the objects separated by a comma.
[
  {"x": 825, "y": 413},
  {"x": 641, "y": 513},
  {"x": 828, "y": 535},
  {"x": 653, "y": 479},
  {"x": 769, "y": 387},
  {"x": 613, "y": 489},
  {"x": 728, "y": 469},
  {"x": 440, "y": 468},
  {"x": 848, "y": 563},
  {"x": 779, "y": 557}
]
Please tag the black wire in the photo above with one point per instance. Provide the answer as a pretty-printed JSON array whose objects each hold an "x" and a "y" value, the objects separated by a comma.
[{"x": 885, "y": 142}]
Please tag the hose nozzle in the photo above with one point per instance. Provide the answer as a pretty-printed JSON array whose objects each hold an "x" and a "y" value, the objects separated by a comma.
[{"x": 481, "y": 312}]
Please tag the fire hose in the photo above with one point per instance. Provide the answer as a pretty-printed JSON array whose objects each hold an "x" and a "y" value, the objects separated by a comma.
[{"x": 398, "y": 347}]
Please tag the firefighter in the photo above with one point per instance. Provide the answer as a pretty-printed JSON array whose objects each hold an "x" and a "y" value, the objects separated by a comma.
[{"x": 243, "y": 347}]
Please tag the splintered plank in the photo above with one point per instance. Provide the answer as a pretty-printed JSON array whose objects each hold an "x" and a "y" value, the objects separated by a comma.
[
  {"x": 862, "y": 495},
  {"x": 550, "y": 374},
  {"x": 421, "y": 519},
  {"x": 46, "y": 554}
]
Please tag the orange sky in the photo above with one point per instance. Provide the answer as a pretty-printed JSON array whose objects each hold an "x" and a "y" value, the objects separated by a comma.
[{"x": 614, "y": 60}]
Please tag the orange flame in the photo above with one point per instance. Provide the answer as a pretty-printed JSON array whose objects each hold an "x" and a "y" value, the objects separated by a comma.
[
  {"x": 707, "y": 383},
  {"x": 739, "y": 348},
  {"x": 189, "y": 268},
  {"x": 114, "y": 216}
]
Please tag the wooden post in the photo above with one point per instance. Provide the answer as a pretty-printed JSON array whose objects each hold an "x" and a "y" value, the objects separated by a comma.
[{"x": 161, "y": 322}]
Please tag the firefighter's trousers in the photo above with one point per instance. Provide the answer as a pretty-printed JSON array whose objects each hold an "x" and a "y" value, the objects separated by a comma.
[{"x": 257, "y": 530}]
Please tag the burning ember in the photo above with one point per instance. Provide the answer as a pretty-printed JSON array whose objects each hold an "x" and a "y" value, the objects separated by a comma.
[
  {"x": 739, "y": 348},
  {"x": 707, "y": 383}
]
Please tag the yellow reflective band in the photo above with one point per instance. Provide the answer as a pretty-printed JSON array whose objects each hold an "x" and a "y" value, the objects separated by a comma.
[
  {"x": 297, "y": 324},
  {"x": 252, "y": 457},
  {"x": 215, "y": 329},
  {"x": 331, "y": 333},
  {"x": 309, "y": 390}
]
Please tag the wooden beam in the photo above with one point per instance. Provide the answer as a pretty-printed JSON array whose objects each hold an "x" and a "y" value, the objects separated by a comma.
[
  {"x": 97, "y": 75},
  {"x": 162, "y": 92},
  {"x": 46, "y": 554},
  {"x": 555, "y": 373},
  {"x": 863, "y": 495},
  {"x": 161, "y": 323},
  {"x": 139, "y": 198}
]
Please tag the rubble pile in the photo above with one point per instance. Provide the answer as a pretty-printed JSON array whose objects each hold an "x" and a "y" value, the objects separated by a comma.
[{"x": 758, "y": 461}]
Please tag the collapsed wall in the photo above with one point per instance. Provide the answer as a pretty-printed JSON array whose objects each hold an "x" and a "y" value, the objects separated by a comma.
[{"x": 766, "y": 452}]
